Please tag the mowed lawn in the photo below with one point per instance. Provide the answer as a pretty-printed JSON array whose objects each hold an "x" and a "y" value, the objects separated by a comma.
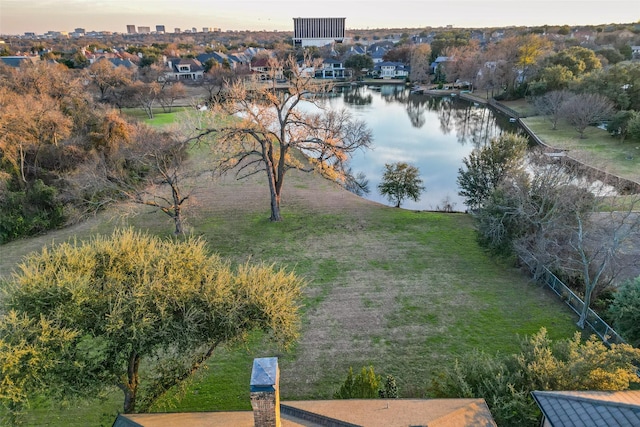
[
  {"x": 598, "y": 149},
  {"x": 403, "y": 291}
]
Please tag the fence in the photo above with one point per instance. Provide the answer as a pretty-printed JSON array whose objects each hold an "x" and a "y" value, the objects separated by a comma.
[
  {"x": 606, "y": 333},
  {"x": 504, "y": 109}
]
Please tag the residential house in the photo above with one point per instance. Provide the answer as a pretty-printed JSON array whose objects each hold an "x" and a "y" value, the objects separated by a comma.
[
  {"x": 331, "y": 69},
  {"x": 184, "y": 69},
  {"x": 355, "y": 50},
  {"x": 265, "y": 70},
  {"x": 589, "y": 408},
  {"x": 377, "y": 53},
  {"x": 439, "y": 60},
  {"x": 16, "y": 61},
  {"x": 391, "y": 70},
  {"x": 635, "y": 51},
  {"x": 269, "y": 411}
]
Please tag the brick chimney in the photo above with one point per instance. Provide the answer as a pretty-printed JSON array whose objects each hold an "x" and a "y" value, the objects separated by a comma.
[{"x": 265, "y": 392}]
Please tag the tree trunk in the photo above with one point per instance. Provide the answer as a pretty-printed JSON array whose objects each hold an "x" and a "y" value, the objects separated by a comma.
[
  {"x": 177, "y": 219},
  {"x": 131, "y": 388},
  {"x": 275, "y": 207},
  {"x": 585, "y": 307}
]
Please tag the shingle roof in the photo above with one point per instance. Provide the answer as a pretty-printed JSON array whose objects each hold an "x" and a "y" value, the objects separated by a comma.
[
  {"x": 15, "y": 61},
  {"x": 589, "y": 409},
  {"x": 351, "y": 412}
]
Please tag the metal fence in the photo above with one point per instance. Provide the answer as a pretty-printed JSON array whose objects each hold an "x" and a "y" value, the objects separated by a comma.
[{"x": 542, "y": 274}]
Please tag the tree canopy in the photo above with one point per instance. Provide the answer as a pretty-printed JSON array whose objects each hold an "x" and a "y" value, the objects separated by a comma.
[
  {"x": 79, "y": 318},
  {"x": 401, "y": 181},
  {"x": 486, "y": 166}
]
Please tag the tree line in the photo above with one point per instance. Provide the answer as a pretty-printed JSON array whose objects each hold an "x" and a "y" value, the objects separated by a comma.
[{"x": 63, "y": 154}]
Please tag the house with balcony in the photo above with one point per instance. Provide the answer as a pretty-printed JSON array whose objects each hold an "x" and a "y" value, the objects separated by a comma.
[
  {"x": 331, "y": 69},
  {"x": 391, "y": 70}
]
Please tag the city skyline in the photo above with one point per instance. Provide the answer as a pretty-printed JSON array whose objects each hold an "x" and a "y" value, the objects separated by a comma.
[{"x": 40, "y": 16}]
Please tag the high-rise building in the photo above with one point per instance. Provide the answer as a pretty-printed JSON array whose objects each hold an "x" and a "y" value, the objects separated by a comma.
[
  {"x": 144, "y": 30},
  {"x": 206, "y": 29},
  {"x": 318, "y": 31},
  {"x": 160, "y": 29},
  {"x": 176, "y": 30},
  {"x": 131, "y": 29}
]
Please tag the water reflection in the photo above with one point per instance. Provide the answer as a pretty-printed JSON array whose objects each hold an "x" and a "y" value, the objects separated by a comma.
[{"x": 432, "y": 133}]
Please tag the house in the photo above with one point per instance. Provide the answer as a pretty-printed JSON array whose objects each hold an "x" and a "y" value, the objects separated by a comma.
[
  {"x": 635, "y": 51},
  {"x": 331, "y": 69},
  {"x": 263, "y": 67},
  {"x": 184, "y": 69},
  {"x": 355, "y": 50},
  {"x": 439, "y": 60},
  {"x": 269, "y": 411},
  {"x": 589, "y": 408},
  {"x": 391, "y": 70},
  {"x": 377, "y": 53},
  {"x": 16, "y": 61}
]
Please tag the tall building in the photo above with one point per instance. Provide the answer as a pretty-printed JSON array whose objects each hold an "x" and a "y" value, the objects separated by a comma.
[
  {"x": 176, "y": 30},
  {"x": 131, "y": 29},
  {"x": 144, "y": 30},
  {"x": 160, "y": 29},
  {"x": 318, "y": 31}
]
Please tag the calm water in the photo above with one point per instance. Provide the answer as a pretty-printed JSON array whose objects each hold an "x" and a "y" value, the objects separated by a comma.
[{"x": 432, "y": 133}]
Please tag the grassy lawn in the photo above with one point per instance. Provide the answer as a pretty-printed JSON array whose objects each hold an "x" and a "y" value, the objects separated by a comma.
[
  {"x": 404, "y": 291},
  {"x": 160, "y": 118},
  {"x": 598, "y": 149}
]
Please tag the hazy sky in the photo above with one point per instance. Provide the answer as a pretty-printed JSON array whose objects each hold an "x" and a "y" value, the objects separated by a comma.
[{"x": 19, "y": 16}]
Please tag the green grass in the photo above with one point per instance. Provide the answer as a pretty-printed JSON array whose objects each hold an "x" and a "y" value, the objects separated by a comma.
[
  {"x": 403, "y": 291},
  {"x": 598, "y": 149},
  {"x": 160, "y": 118}
]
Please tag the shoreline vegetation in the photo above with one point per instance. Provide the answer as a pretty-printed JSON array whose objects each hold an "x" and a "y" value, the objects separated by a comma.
[{"x": 381, "y": 279}]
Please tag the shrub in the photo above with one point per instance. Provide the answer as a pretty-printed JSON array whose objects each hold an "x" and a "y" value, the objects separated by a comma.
[{"x": 365, "y": 385}]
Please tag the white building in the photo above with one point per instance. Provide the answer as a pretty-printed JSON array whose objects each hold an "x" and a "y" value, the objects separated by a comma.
[{"x": 318, "y": 31}]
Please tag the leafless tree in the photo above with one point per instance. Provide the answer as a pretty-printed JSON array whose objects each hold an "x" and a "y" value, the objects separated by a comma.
[
  {"x": 574, "y": 226},
  {"x": 167, "y": 187},
  {"x": 169, "y": 93},
  {"x": 420, "y": 64},
  {"x": 274, "y": 134},
  {"x": 586, "y": 109},
  {"x": 551, "y": 105}
]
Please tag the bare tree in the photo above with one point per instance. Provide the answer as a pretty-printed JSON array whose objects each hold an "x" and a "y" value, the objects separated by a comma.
[
  {"x": 420, "y": 64},
  {"x": 574, "y": 226},
  {"x": 274, "y": 133},
  {"x": 167, "y": 187},
  {"x": 585, "y": 109},
  {"x": 144, "y": 95},
  {"x": 104, "y": 76},
  {"x": 464, "y": 64},
  {"x": 551, "y": 105},
  {"x": 169, "y": 93}
]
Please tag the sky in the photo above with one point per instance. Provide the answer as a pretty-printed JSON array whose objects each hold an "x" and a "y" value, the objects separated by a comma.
[{"x": 40, "y": 16}]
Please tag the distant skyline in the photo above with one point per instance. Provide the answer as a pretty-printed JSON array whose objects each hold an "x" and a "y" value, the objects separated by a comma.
[{"x": 40, "y": 16}]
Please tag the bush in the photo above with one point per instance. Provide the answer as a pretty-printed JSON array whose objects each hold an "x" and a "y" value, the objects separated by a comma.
[
  {"x": 506, "y": 381},
  {"x": 625, "y": 311},
  {"x": 30, "y": 211},
  {"x": 390, "y": 390},
  {"x": 365, "y": 385}
]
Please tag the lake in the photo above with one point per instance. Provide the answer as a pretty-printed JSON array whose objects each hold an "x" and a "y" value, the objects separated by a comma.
[{"x": 431, "y": 133}]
